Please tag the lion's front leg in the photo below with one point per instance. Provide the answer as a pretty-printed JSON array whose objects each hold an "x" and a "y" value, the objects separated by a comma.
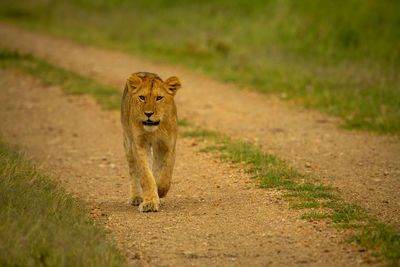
[
  {"x": 164, "y": 159},
  {"x": 136, "y": 194},
  {"x": 151, "y": 201}
]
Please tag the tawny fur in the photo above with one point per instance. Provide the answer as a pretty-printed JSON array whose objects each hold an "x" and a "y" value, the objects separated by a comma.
[{"x": 150, "y": 149}]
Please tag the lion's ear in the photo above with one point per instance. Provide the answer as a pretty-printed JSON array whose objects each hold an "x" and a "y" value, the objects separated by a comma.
[
  {"x": 134, "y": 83},
  {"x": 172, "y": 84}
]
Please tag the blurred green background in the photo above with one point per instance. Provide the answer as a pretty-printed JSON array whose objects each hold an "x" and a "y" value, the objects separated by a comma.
[{"x": 341, "y": 57}]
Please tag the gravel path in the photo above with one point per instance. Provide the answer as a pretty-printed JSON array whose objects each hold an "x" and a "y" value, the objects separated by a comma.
[
  {"x": 213, "y": 215},
  {"x": 365, "y": 167}
]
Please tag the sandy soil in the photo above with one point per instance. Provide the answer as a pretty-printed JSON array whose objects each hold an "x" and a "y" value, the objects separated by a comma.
[
  {"x": 214, "y": 215},
  {"x": 365, "y": 167}
]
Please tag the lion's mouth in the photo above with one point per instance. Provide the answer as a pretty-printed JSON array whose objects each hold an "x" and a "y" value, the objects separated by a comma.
[{"x": 151, "y": 123}]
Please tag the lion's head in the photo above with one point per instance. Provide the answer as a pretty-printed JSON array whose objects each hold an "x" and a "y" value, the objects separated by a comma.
[{"x": 153, "y": 98}]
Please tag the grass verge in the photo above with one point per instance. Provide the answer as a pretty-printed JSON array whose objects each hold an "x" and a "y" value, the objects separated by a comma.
[
  {"x": 41, "y": 225},
  {"x": 341, "y": 57},
  {"x": 108, "y": 97},
  {"x": 304, "y": 193}
]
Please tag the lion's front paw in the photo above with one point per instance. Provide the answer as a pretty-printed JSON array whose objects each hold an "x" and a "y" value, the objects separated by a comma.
[
  {"x": 151, "y": 205},
  {"x": 135, "y": 201}
]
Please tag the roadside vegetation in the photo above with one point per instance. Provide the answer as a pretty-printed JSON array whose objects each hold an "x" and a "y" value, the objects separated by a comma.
[
  {"x": 70, "y": 82},
  {"x": 318, "y": 201},
  {"x": 41, "y": 225},
  {"x": 341, "y": 57}
]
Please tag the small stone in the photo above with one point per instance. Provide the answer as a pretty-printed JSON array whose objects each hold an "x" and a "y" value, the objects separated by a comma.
[
  {"x": 137, "y": 256},
  {"x": 308, "y": 165},
  {"x": 370, "y": 261},
  {"x": 94, "y": 212}
]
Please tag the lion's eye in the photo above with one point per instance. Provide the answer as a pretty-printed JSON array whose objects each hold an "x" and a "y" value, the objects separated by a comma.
[
  {"x": 142, "y": 97},
  {"x": 159, "y": 98}
]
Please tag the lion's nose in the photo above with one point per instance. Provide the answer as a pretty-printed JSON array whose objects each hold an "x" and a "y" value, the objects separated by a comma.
[{"x": 148, "y": 114}]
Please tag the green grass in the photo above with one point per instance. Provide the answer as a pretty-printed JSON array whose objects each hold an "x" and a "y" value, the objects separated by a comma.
[
  {"x": 41, "y": 225},
  {"x": 72, "y": 83},
  {"x": 183, "y": 123},
  {"x": 304, "y": 193},
  {"x": 380, "y": 237},
  {"x": 341, "y": 57}
]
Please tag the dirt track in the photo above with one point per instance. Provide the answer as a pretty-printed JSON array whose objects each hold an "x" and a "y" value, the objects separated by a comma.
[
  {"x": 364, "y": 166},
  {"x": 212, "y": 214}
]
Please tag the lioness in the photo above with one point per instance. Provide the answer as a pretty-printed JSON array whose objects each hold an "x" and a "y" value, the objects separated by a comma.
[{"x": 149, "y": 121}]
